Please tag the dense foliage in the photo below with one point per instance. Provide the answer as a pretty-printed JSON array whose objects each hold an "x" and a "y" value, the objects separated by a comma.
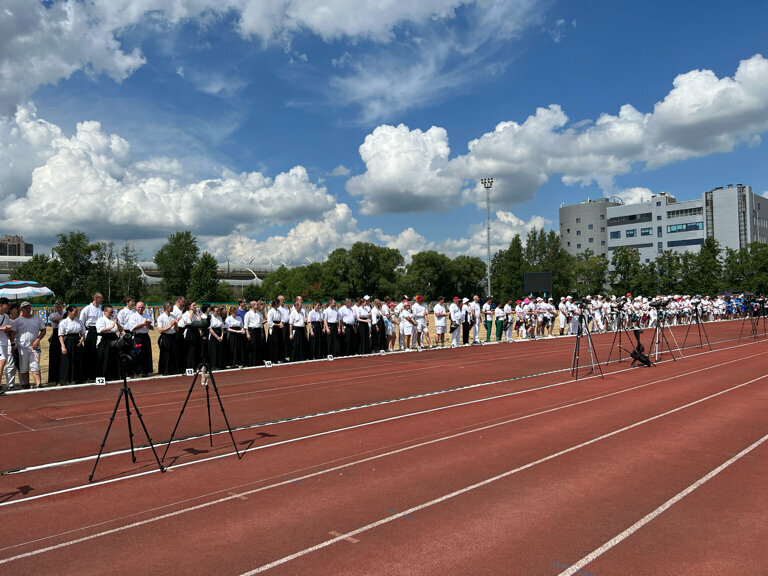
[{"x": 81, "y": 267}]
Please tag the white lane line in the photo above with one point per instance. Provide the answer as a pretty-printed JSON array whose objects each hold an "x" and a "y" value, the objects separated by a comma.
[
  {"x": 391, "y": 517},
  {"x": 4, "y": 415},
  {"x": 664, "y": 507},
  {"x": 332, "y": 431},
  {"x": 485, "y": 482}
]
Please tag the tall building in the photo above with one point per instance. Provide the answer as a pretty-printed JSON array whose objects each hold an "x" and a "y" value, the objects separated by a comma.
[
  {"x": 583, "y": 226},
  {"x": 732, "y": 215},
  {"x": 14, "y": 246}
]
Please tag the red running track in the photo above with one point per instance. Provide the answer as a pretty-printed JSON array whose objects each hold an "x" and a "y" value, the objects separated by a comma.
[{"x": 526, "y": 476}]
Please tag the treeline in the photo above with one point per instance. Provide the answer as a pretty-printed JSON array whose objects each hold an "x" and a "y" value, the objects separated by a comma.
[{"x": 82, "y": 267}]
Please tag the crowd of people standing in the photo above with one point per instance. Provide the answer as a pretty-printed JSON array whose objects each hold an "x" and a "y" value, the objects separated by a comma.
[{"x": 99, "y": 343}]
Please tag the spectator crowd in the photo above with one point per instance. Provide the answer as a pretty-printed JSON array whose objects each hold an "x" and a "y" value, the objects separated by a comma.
[{"x": 99, "y": 342}]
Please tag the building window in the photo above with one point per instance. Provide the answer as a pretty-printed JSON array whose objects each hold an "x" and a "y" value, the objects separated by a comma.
[
  {"x": 578, "y": 220},
  {"x": 578, "y": 245},
  {"x": 578, "y": 232},
  {"x": 658, "y": 202},
  {"x": 591, "y": 240},
  {"x": 689, "y": 227},
  {"x": 602, "y": 228},
  {"x": 660, "y": 247},
  {"x": 691, "y": 242},
  {"x": 646, "y": 231},
  {"x": 658, "y": 231},
  {"x": 647, "y": 260},
  {"x": 589, "y": 226},
  {"x": 568, "y": 230},
  {"x": 631, "y": 219},
  {"x": 602, "y": 242},
  {"x": 631, "y": 233},
  {"x": 569, "y": 244},
  {"x": 658, "y": 217},
  {"x": 602, "y": 216},
  {"x": 615, "y": 235},
  {"x": 686, "y": 212}
]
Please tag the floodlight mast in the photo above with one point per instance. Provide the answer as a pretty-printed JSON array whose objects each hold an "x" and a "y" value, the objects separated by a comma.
[{"x": 488, "y": 184}]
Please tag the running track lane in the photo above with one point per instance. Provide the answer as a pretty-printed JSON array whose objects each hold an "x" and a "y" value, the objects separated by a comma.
[
  {"x": 431, "y": 473},
  {"x": 69, "y": 423}
]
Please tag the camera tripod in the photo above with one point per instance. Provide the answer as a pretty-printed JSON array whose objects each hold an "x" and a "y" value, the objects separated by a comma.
[
  {"x": 206, "y": 376},
  {"x": 660, "y": 338},
  {"x": 125, "y": 394},
  {"x": 700, "y": 328},
  {"x": 580, "y": 332},
  {"x": 754, "y": 314}
]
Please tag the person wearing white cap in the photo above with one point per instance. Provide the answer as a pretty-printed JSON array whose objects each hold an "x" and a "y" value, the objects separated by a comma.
[
  {"x": 419, "y": 312},
  {"x": 406, "y": 319},
  {"x": 400, "y": 325},
  {"x": 573, "y": 315},
  {"x": 562, "y": 316},
  {"x": 509, "y": 320},
  {"x": 441, "y": 321},
  {"x": 478, "y": 314},
  {"x": 467, "y": 319},
  {"x": 29, "y": 329}
]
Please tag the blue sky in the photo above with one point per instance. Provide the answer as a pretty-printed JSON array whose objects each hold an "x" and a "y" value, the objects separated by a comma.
[{"x": 288, "y": 128}]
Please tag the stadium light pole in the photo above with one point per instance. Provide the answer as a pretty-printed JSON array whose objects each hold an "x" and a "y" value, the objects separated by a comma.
[{"x": 487, "y": 184}]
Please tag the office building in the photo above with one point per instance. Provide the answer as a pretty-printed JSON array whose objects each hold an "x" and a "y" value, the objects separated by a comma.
[{"x": 583, "y": 226}]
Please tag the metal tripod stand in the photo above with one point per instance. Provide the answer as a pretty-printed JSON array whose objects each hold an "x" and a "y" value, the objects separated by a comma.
[
  {"x": 206, "y": 375},
  {"x": 584, "y": 330},
  {"x": 125, "y": 394}
]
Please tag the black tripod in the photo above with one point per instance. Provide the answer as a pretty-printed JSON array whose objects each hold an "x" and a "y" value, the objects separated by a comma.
[
  {"x": 660, "y": 338},
  {"x": 126, "y": 394},
  {"x": 582, "y": 330},
  {"x": 701, "y": 330},
  {"x": 620, "y": 327},
  {"x": 753, "y": 314},
  {"x": 206, "y": 376}
]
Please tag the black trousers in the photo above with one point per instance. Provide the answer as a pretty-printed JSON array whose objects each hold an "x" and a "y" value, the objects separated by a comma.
[
  {"x": 316, "y": 341},
  {"x": 465, "y": 327},
  {"x": 70, "y": 366},
  {"x": 348, "y": 338},
  {"x": 298, "y": 350},
  {"x": 142, "y": 362},
  {"x": 332, "y": 340},
  {"x": 364, "y": 336},
  {"x": 109, "y": 358},
  {"x": 168, "y": 361},
  {"x": 90, "y": 365},
  {"x": 256, "y": 347}
]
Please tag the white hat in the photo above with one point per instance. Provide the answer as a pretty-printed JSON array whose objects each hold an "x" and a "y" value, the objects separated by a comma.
[
  {"x": 465, "y": 300},
  {"x": 366, "y": 297}
]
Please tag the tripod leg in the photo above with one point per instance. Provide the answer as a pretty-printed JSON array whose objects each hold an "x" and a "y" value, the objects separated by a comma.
[
  {"x": 189, "y": 393},
  {"x": 130, "y": 428},
  {"x": 593, "y": 355},
  {"x": 146, "y": 432},
  {"x": 223, "y": 413},
  {"x": 109, "y": 427},
  {"x": 208, "y": 404}
]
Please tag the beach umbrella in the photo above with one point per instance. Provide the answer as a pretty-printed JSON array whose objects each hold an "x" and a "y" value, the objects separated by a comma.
[{"x": 18, "y": 289}]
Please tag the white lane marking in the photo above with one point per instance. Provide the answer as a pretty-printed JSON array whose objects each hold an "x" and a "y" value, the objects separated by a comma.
[
  {"x": 332, "y": 431},
  {"x": 4, "y": 415},
  {"x": 573, "y": 569},
  {"x": 485, "y": 482},
  {"x": 389, "y": 518}
]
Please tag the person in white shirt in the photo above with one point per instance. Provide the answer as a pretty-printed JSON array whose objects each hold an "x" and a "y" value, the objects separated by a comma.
[
  {"x": 315, "y": 323},
  {"x": 107, "y": 328},
  {"x": 400, "y": 326},
  {"x": 275, "y": 327},
  {"x": 236, "y": 338},
  {"x": 348, "y": 324},
  {"x": 498, "y": 319},
  {"x": 488, "y": 316},
  {"x": 140, "y": 322},
  {"x": 217, "y": 357},
  {"x": 441, "y": 321},
  {"x": 71, "y": 340},
  {"x": 377, "y": 327},
  {"x": 467, "y": 320},
  {"x": 254, "y": 331},
  {"x": 406, "y": 318},
  {"x": 285, "y": 314},
  {"x": 122, "y": 315},
  {"x": 5, "y": 343},
  {"x": 363, "y": 313},
  {"x": 88, "y": 317},
  {"x": 298, "y": 323},
  {"x": 28, "y": 330},
  {"x": 477, "y": 315},
  {"x": 509, "y": 320},
  {"x": 390, "y": 325},
  {"x": 54, "y": 350},
  {"x": 166, "y": 326},
  {"x": 331, "y": 321},
  {"x": 419, "y": 315},
  {"x": 455, "y": 316}
]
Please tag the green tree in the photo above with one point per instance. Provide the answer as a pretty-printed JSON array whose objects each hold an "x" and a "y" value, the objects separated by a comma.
[
  {"x": 175, "y": 261},
  {"x": 625, "y": 276},
  {"x": 128, "y": 280},
  {"x": 467, "y": 275},
  {"x": 709, "y": 268},
  {"x": 428, "y": 274},
  {"x": 669, "y": 270},
  {"x": 374, "y": 269},
  {"x": 204, "y": 279},
  {"x": 507, "y": 270},
  {"x": 75, "y": 252},
  {"x": 45, "y": 271},
  {"x": 590, "y": 273},
  {"x": 253, "y": 292},
  {"x": 336, "y": 274}
]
